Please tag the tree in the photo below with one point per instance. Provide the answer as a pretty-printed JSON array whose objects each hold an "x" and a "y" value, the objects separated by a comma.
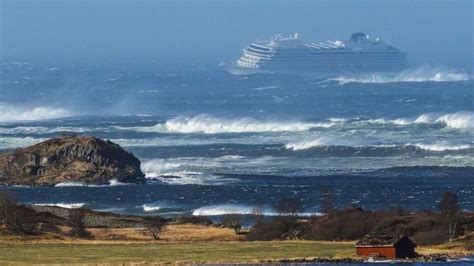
[
  {"x": 449, "y": 204},
  {"x": 76, "y": 222},
  {"x": 327, "y": 205},
  {"x": 232, "y": 221},
  {"x": 288, "y": 210},
  {"x": 154, "y": 227},
  {"x": 449, "y": 208},
  {"x": 257, "y": 214},
  {"x": 288, "y": 207},
  {"x": 6, "y": 202},
  {"x": 14, "y": 216}
]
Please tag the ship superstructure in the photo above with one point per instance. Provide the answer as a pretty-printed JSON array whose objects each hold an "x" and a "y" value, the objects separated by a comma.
[{"x": 281, "y": 54}]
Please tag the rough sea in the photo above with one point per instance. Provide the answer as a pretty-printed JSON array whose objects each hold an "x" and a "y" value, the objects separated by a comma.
[{"x": 212, "y": 143}]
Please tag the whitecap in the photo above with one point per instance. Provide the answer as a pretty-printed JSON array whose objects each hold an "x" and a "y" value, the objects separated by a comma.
[
  {"x": 212, "y": 125},
  {"x": 10, "y": 113},
  {"x": 62, "y": 205},
  {"x": 442, "y": 147},
  {"x": 18, "y": 142},
  {"x": 420, "y": 74},
  {"x": 241, "y": 209}
]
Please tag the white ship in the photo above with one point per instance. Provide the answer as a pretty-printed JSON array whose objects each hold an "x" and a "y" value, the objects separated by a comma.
[{"x": 291, "y": 55}]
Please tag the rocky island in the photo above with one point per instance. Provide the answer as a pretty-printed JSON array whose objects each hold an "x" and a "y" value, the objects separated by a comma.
[{"x": 78, "y": 159}]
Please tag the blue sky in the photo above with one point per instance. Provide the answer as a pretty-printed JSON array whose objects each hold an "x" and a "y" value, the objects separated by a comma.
[{"x": 430, "y": 31}]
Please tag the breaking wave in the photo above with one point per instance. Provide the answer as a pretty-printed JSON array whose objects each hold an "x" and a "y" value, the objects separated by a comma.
[
  {"x": 223, "y": 209},
  {"x": 421, "y": 74},
  {"x": 342, "y": 147},
  {"x": 212, "y": 125},
  {"x": 180, "y": 173},
  {"x": 9, "y": 113},
  {"x": 458, "y": 120},
  {"x": 62, "y": 205},
  {"x": 17, "y": 142}
]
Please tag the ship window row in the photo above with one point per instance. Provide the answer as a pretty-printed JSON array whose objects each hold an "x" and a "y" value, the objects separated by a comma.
[
  {"x": 255, "y": 54},
  {"x": 259, "y": 47},
  {"x": 248, "y": 49}
]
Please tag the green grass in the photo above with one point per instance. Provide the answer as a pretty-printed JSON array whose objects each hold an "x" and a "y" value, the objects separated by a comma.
[{"x": 170, "y": 252}]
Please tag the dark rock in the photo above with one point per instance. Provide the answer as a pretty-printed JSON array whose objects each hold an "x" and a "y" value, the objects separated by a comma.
[{"x": 84, "y": 159}]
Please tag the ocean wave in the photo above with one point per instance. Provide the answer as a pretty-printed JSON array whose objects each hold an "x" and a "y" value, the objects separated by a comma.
[
  {"x": 62, "y": 205},
  {"x": 457, "y": 120},
  {"x": 152, "y": 207},
  {"x": 420, "y": 74},
  {"x": 443, "y": 147},
  {"x": 318, "y": 142},
  {"x": 183, "y": 172},
  {"x": 9, "y": 113},
  {"x": 18, "y": 142},
  {"x": 224, "y": 209},
  {"x": 112, "y": 182},
  {"x": 212, "y": 125},
  {"x": 333, "y": 146}
]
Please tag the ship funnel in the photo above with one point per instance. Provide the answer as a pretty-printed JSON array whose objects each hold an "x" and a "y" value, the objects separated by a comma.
[{"x": 296, "y": 35}]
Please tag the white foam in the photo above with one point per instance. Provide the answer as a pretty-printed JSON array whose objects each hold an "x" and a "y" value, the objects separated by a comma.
[
  {"x": 115, "y": 182},
  {"x": 17, "y": 142},
  {"x": 458, "y": 120},
  {"x": 70, "y": 184},
  {"x": 212, "y": 125},
  {"x": 63, "y": 205},
  {"x": 151, "y": 207},
  {"x": 182, "y": 171},
  {"x": 303, "y": 145},
  {"x": 442, "y": 147},
  {"x": 420, "y": 74},
  {"x": 10, "y": 113},
  {"x": 318, "y": 142},
  {"x": 224, "y": 209},
  {"x": 265, "y": 88}
]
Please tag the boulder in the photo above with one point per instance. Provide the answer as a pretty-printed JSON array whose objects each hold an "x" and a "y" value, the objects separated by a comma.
[{"x": 78, "y": 159}]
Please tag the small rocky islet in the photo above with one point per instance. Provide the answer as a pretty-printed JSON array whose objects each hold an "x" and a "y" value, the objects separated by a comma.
[{"x": 75, "y": 159}]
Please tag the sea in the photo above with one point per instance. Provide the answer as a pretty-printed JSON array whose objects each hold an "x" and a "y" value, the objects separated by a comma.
[{"x": 212, "y": 143}]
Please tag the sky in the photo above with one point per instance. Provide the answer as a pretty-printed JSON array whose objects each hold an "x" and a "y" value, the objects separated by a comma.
[{"x": 429, "y": 31}]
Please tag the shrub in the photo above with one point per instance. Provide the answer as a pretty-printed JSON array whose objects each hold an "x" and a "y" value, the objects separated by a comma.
[
  {"x": 232, "y": 221},
  {"x": 154, "y": 227},
  {"x": 199, "y": 220},
  {"x": 266, "y": 231},
  {"x": 76, "y": 222}
]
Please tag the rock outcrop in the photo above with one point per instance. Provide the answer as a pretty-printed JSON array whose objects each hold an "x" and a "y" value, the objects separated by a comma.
[{"x": 84, "y": 159}]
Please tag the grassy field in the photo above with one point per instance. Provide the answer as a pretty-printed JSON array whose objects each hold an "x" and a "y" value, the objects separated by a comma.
[{"x": 46, "y": 253}]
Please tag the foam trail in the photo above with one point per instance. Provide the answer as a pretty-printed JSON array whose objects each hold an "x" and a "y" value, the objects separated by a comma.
[
  {"x": 420, "y": 74},
  {"x": 303, "y": 145},
  {"x": 318, "y": 142},
  {"x": 9, "y": 113}
]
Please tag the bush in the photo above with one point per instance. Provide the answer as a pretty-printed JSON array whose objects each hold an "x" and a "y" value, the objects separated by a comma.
[
  {"x": 266, "y": 231},
  {"x": 349, "y": 224},
  {"x": 199, "y": 220},
  {"x": 154, "y": 227},
  {"x": 14, "y": 216},
  {"x": 232, "y": 221},
  {"x": 76, "y": 222}
]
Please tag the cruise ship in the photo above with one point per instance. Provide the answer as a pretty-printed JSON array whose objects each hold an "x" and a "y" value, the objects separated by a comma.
[{"x": 291, "y": 55}]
